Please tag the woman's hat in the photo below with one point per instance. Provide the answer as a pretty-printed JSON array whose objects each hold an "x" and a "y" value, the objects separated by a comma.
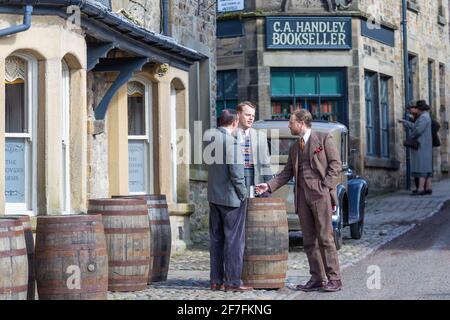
[{"x": 419, "y": 104}]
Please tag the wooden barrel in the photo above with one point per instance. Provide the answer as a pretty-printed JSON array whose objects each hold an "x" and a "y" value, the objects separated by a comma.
[
  {"x": 71, "y": 258},
  {"x": 127, "y": 233},
  {"x": 13, "y": 261},
  {"x": 161, "y": 236},
  {"x": 29, "y": 241},
  {"x": 266, "y": 244}
]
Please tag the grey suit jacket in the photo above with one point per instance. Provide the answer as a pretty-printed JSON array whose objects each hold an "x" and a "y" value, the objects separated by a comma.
[
  {"x": 226, "y": 182},
  {"x": 261, "y": 156}
]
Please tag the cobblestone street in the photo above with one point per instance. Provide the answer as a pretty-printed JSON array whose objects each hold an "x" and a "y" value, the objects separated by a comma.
[{"x": 387, "y": 217}]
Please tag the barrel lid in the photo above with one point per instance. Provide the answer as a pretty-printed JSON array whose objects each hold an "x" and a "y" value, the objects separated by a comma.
[
  {"x": 276, "y": 201},
  {"x": 68, "y": 218},
  {"x": 144, "y": 196},
  {"x": 20, "y": 217},
  {"x": 118, "y": 201},
  {"x": 10, "y": 223}
]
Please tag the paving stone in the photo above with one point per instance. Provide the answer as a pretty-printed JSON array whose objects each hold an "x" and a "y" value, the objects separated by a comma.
[{"x": 189, "y": 272}]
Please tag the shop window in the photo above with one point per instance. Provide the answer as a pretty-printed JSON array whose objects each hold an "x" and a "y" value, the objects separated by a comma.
[
  {"x": 413, "y": 77},
  {"x": 431, "y": 83},
  {"x": 377, "y": 114},
  {"x": 229, "y": 29},
  {"x": 20, "y": 146},
  {"x": 139, "y": 138},
  {"x": 227, "y": 91},
  {"x": 321, "y": 91}
]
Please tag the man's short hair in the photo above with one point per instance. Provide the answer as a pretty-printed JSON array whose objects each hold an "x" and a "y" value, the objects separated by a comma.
[
  {"x": 227, "y": 117},
  {"x": 304, "y": 115},
  {"x": 241, "y": 106}
]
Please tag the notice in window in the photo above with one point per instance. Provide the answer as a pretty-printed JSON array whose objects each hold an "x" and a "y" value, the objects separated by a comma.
[
  {"x": 15, "y": 170},
  {"x": 136, "y": 160},
  {"x": 230, "y": 5}
]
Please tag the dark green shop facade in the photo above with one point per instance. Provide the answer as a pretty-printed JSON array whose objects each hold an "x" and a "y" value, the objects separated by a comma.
[{"x": 283, "y": 63}]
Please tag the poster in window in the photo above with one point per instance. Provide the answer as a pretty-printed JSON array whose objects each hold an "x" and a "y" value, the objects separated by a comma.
[
  {"x": 15, "y": 170},
  {"x": 136, "y": 169}
]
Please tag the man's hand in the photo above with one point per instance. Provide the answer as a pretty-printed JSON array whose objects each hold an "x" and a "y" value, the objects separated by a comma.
[{"x": 261, "y": 188}]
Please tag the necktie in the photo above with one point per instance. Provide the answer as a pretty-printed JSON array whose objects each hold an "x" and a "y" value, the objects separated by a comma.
[{"x": 302, "y": 144}]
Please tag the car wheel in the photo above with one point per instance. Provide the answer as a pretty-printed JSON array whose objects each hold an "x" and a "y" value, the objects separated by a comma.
[{"x": 357, "y": 229}]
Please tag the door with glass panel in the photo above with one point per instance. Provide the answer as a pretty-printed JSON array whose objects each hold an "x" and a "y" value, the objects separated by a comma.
[
  {"x": 139, "y": 139},
  {"x": 19, "y": 100}
]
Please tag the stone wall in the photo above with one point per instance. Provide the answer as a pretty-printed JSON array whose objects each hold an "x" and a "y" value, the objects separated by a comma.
[
  {"x": 146, "y": 13},
  {"x": 193, "y": 24},
  {"x": 199, "y": 221},
  {"x": 98, "y": 178}
]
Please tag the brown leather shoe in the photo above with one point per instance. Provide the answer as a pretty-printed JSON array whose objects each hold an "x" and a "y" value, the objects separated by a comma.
[
  {"x": 237, "y": 288},
  {"x": 217, "y": 287},
  {"x": 333, "y": 286},
  {"x": 311, "y": 286}
]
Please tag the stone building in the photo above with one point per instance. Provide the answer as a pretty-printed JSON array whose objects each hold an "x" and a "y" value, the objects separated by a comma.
[
  {"x": 342, "y": 60},
  {"x": 92, "y": 94}
]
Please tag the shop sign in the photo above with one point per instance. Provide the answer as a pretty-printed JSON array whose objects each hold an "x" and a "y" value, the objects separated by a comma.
[{"x": 309, "y": 33}]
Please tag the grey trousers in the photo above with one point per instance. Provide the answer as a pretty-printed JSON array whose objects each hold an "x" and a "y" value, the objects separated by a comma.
[{"x": 227, "y": 243}]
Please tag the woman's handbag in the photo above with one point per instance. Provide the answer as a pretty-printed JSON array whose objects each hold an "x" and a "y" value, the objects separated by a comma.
[{"x": 412, "y": 143}]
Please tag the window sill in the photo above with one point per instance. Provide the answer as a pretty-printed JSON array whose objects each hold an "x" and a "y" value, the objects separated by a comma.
[
  {"x": 413, "y": 6},
  {"x": 373, "y": 162},
  {"x": 442, "y": 21}
]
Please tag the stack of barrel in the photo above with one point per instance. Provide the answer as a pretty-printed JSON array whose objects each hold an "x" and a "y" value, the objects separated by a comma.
[
  {"x": 266, "y": 244},
  {"x": 122, "y": 244}
]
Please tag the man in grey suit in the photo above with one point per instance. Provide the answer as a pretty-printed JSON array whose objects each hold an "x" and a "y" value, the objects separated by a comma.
[{"x": 227, "y": 200}]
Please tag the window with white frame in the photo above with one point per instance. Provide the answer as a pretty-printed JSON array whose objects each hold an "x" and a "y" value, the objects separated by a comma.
[
  {"x": 139, "y": 138},
  {"x": 20, "y": 139},
  {"x": 65, "y": 138}
]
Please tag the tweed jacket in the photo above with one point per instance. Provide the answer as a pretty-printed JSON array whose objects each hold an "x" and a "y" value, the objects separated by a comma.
[{"x": 324, "y": 159}]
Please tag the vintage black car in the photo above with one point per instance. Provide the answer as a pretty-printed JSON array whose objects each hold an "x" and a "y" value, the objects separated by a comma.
[{"x": 352, "y": 190}]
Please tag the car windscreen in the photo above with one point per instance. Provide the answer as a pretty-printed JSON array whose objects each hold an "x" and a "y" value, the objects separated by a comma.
[{"x": 280, "y": 146}]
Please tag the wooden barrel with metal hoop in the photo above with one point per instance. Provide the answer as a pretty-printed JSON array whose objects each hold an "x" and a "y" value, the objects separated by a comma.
[
  {"x": 13, "y": 261},
  {"x": 160, "y": 233},
  {"x": 29, "y": 241},
  {"x": 266, "y": 244},
  {"x": 71, "y": 258},
  {"x": 127, "y": 234}
]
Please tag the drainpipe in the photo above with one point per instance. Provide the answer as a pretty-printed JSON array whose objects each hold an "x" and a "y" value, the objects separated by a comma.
[
  {"x": 406, "y": 81},
  {"x": 165, "y": 17},
  {"x": 23, "y": 27}
]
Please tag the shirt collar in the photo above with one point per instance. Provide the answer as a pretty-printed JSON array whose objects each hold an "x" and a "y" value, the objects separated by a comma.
[
  {"x": 307, "y": 135},
  {"x": 228, "y": 130},
  {"x": 246, "y": 132}
]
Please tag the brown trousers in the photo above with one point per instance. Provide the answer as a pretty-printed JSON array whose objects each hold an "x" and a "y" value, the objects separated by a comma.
[{"x": 318, "y": 241}]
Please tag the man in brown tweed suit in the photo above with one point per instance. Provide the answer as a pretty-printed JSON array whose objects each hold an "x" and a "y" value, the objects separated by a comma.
[{"x": 315, "y": 164}]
